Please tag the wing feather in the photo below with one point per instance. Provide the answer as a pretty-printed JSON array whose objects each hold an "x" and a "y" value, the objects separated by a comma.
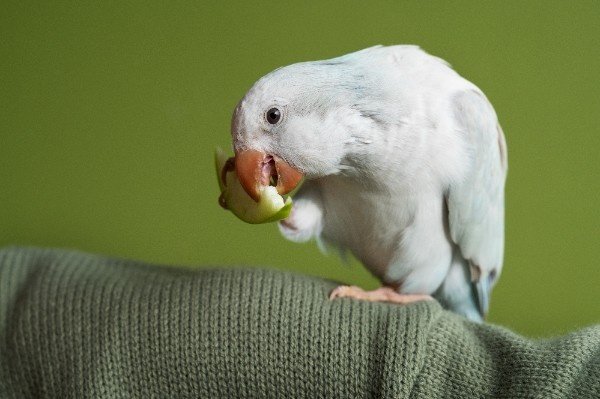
[{"x": 476, "y": 203}]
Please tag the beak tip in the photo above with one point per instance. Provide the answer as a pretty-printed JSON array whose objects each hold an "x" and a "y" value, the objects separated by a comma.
[{"x": 248, "y": 170}]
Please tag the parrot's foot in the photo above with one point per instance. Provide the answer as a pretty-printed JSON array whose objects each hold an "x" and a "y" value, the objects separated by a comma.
[{"x": 382, "y": 294}]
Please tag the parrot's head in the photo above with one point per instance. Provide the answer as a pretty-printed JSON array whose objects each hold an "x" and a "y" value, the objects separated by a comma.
[{"x": 310, "y": 119}]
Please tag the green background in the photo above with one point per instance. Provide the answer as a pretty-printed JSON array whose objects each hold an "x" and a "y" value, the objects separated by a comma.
[{"x": 111, "y": 111}]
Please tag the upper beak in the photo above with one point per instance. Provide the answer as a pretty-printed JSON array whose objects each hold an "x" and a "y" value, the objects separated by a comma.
[{"x": 256, "y": 169}]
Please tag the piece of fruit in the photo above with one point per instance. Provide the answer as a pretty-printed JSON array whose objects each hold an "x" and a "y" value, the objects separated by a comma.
[{"x": 271, "y": 206}]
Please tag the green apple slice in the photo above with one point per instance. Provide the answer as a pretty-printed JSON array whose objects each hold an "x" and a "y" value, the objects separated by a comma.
[{"x": 270, "y": 208}]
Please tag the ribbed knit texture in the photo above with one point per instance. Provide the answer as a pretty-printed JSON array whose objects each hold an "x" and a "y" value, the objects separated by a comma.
[{"x": 74, "y": 325}]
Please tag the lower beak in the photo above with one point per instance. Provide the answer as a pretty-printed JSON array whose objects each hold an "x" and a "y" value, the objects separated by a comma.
[{"x": 256, "y": 169}]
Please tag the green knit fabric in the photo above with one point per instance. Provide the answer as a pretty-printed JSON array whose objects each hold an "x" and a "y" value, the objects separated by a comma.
[{"x": 74, "y": 325}]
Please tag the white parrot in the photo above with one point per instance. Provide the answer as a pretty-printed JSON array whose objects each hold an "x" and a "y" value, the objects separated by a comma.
[{"x": 404, "y": 164}]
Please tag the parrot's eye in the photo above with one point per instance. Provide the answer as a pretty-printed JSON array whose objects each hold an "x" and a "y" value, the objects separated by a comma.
[{"x": 273, "y": 115}]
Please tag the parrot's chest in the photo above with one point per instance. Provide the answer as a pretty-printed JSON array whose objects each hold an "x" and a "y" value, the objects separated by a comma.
[{"x": 369, "y": 223}]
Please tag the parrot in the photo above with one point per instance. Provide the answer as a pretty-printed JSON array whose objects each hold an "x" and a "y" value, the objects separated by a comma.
[{"x": 395, "y": 158}]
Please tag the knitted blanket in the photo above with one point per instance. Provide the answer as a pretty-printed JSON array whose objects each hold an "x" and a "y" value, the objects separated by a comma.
[{"x": 74, "y": 325}]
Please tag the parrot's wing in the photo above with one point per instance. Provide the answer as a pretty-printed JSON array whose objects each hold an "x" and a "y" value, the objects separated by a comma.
[{"x": 476, "y": 203}]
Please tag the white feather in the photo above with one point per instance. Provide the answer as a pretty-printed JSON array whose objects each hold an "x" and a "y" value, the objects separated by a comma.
[{"x": 405, "y": 161}]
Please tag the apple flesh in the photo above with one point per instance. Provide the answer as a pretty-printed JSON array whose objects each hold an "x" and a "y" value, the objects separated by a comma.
[{"x": 271, "y": 206}]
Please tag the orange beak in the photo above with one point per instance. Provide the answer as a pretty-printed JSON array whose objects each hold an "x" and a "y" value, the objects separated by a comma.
[{"x": 255, "y": 169}]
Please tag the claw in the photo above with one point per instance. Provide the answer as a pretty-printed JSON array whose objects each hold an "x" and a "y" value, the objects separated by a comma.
[{"x": 382, "y": 294}]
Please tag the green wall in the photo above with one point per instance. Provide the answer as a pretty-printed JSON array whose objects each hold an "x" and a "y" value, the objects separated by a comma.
[{"x": 110, "y": 113}]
